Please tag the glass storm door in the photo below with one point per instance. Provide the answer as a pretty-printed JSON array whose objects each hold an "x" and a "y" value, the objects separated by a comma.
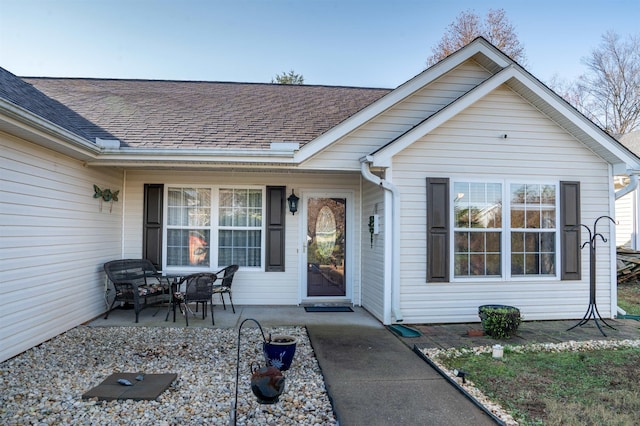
[{"x": 326, "y": 238}]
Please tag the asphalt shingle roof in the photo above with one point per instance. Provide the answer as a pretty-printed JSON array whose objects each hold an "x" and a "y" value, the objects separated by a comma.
[
  {"x": 24, "y": 95},
  {"x": 188, "y": 114}
]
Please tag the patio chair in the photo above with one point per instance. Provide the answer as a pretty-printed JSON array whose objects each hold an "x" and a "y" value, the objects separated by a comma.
[
  {"x": 225, "y": 286},
  {"x": 194, "y": 288}
]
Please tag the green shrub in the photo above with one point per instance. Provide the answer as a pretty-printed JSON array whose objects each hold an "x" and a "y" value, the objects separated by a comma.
[{"x": 498, "y": 321}]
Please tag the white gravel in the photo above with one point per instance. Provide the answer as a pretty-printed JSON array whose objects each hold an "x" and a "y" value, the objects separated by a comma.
[{"x": 44, "y": 385}]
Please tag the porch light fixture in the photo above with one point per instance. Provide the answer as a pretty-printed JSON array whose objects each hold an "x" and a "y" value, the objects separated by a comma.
[{"x": 293, "y": 203}]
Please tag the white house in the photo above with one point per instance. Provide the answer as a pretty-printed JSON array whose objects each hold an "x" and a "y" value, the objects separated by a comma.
[{"x": 461, "y": 187}]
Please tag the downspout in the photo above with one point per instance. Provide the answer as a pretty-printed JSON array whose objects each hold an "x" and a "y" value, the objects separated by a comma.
[
  {"x": 365, "y": 163},
  {"x": 630, "y": 187}
]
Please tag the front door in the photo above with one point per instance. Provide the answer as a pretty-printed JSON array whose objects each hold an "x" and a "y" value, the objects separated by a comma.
[{"x": 326, "y": 260}]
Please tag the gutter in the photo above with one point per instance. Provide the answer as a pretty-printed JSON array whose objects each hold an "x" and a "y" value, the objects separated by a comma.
[
  {"x": 365, "y": 164},
  {"x": 74, "y": 142},
  {"x": 633, "y": 184}
]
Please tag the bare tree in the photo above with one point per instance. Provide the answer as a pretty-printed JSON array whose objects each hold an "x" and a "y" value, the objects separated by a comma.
[
  {"x": 609, "y": 93},
  {"x": 288, "y": 78},
  {"x": 468, "y": 26}
]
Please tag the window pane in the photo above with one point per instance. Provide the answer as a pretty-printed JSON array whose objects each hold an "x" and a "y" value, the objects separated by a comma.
[
  {"x": 548, "y": 218},
  {"x": 461, "y": 204},
  {"x": 477, "y": 265},
  {"x": 253, "y": 258},
  {"x": 461, "y": 242},
  {"x": 517, "y": 264},
  {"x": 531, "y": 242},
  {"x": 239, "y": 217},
  {"x": 461, "y": 265},
  {"x": 187, "y": 248},
  {"x": 493, "y": 242},
  {"x": 533, "y": 218},
  {"x": 254, "y": 217},
  {"x": 548, "y": 195},
  {"x": 476, "y": 242},
  {"x": 532, "y": 194},
  {"x": 255, "y": 198},
  {"x": 493, "y": 264},
  {"x": 517, "y": 242},
  {"x": 548, "y": 242},
  {"x": 225, "y": 216},
  {"x": 531, "y": 264},
  {"x": 224, "y": 256},
  {"x": 518, "y": 193},
  {"x": 548, "y": 264},
  {"x": 226, "y": 197}
]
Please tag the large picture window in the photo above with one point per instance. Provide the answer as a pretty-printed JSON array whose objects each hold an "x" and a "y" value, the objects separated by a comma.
[
  {"x": 195, "y": 216},
  {"x": 504, "y": 230}
]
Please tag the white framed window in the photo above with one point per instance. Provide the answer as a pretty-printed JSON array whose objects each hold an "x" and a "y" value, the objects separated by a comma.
[
  {"x": 533, "y": 229},
  {"x": 208, "y": 227},
  {"x": 240, "y": 227},
  {"x": 504, "y": 230}
]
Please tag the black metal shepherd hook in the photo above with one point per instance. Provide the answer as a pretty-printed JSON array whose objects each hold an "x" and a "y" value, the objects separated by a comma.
[
  {"x": 235, "y": 401},
  {"x": 592, "y": 310}
]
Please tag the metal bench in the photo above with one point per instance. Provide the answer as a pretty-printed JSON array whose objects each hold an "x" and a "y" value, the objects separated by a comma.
[{"x": 136, "y": 282}]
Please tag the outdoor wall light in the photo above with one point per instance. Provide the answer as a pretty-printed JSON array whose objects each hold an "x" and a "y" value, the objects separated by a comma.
[{"x": 293, "y": 203}]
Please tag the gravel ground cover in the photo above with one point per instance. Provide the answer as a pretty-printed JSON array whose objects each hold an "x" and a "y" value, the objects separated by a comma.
[{"x": 44, "y": 385}]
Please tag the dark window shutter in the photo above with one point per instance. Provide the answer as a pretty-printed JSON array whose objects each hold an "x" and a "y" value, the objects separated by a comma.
[
  {"x": 570, "y": 228},
  {"x": 275, "y": 228},
  {"x": 437, "y": 230},
  {"x": 152, "y": 224}
]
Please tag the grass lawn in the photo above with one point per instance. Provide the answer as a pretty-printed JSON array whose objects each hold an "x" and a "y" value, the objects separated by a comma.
[
  {"x": 629, "y": 297},
  {"x": 599, "y": 384},
  {"x": 591, "y": 387}
]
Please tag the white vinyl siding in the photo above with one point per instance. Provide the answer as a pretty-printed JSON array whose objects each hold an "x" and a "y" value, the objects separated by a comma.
[
  {"x": 626, "y": 216},
  {"x": 55, "y": 239},
  {"x": 374, "y": 264},
  {"x": 345, "y": 153},
  {"x": 472, "y": 146}
]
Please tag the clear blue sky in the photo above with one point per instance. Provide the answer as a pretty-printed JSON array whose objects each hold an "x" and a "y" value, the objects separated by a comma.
[{"x": 368, "y": 43}]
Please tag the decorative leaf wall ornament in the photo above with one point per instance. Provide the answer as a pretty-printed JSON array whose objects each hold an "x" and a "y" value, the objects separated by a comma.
[{"x": 105, "y": 195}]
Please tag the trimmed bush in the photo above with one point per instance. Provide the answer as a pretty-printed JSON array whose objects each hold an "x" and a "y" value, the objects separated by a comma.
[{"x": 499, "y": 321}]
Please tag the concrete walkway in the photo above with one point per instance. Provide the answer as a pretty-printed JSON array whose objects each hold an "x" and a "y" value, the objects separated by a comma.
[{"x": 375, "y": 379}]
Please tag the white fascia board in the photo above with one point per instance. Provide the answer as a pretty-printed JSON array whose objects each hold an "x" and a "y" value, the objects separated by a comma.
[
  {"x": 401, "y": 92},
  {"x": 384, "y": 156},
  {"x": 32, "y": 127}
]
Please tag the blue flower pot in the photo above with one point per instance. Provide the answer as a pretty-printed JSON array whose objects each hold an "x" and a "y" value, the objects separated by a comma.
[{"x": 279, "y": 351}]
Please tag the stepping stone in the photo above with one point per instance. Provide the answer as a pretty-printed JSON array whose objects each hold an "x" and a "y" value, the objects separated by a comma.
[{"x": 149, "y": 388}]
